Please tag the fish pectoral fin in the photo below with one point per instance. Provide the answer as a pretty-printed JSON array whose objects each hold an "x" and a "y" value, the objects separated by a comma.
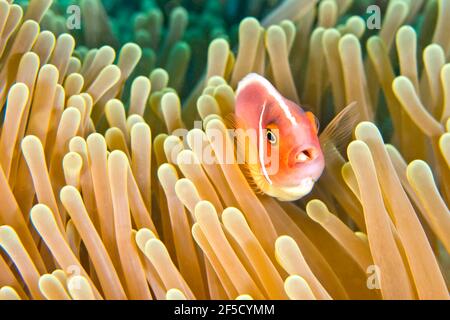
[
  {"x": 255, "y": 179},
  {"x": 338, "y": 132},
  {"x": 230, "y": 121}
]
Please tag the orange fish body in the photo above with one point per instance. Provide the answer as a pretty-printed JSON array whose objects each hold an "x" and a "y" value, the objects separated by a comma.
[{"x": 285, "y": 158}]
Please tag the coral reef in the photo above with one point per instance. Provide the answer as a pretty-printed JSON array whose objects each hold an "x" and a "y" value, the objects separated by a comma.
[{"x": 105, "y": 193}]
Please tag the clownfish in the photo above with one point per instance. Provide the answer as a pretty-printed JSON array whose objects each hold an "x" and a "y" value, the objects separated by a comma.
[{"x": 285, "y": 158}]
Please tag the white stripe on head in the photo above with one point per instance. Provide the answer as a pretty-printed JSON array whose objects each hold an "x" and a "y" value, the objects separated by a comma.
[
  {"x": 248, "y": 79},
  {"x": 261, "y": 145}
]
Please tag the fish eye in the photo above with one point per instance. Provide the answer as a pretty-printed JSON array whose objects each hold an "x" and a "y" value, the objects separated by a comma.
[
  {"x": 314, "y": 121},
  {"x": 271, "y": 136}
]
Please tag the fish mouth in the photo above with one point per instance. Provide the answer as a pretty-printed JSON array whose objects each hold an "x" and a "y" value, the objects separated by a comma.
[{"x": 304, "y": 155}]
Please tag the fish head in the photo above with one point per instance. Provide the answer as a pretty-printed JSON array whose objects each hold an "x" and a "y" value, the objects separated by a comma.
[{"x": 288, "y": 158}]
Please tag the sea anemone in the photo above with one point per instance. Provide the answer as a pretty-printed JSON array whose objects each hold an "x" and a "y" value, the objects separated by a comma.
[{"x": 107, "y": 194}]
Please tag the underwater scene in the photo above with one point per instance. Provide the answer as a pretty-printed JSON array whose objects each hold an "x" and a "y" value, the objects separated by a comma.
[{"x": 224, "y": 149}]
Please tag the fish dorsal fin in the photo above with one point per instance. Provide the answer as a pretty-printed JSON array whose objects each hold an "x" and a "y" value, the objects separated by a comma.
[{"x": 338, "y": 132}]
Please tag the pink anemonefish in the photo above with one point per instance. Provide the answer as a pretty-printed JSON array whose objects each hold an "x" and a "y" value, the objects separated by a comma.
[{"x": 288, "y": 158}]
